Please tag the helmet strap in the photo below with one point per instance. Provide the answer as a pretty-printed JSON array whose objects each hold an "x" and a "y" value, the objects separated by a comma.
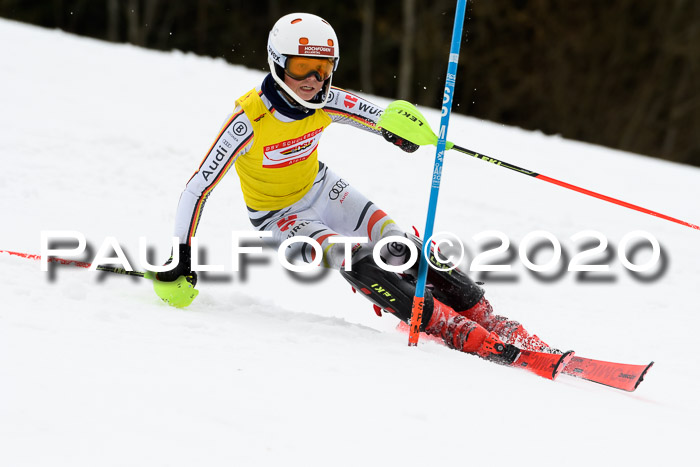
[{"x": 290, "y": 100}]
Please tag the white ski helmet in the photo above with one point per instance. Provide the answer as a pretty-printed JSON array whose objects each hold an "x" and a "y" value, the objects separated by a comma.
[{"x": 303, "y": 35}]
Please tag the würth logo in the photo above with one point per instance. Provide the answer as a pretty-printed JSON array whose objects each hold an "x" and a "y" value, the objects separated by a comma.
[
  {"x": 316, "y": 50},
  {"x": 350, "y": 101},
  {"x": 286, "y": 223}
]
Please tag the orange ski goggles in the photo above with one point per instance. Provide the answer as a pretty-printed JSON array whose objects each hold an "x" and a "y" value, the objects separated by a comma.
[{"x": 300, "y": 68}]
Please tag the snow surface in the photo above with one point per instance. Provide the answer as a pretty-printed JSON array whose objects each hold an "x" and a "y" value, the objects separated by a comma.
[{"x": 267, "y": 369}]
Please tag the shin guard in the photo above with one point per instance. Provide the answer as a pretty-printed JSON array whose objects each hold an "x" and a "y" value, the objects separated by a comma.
[
  {"x": 387, "y": 290},
  {"x": 395, "y": 295}
]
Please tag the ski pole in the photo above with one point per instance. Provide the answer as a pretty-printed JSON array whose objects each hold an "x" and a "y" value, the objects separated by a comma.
[
  {"x": 417, "y": 308},
  {"x": 146, "y": 275},
  {"x": 179, "y": 293},
  {"x": 403, "y": 119},
  {"x": 82, "y": 264}
]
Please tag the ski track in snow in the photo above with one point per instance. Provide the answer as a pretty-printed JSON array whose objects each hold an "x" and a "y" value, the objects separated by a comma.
[{"x": 264, "y": 369}]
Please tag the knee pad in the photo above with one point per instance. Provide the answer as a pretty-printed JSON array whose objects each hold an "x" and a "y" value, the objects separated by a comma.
[{"x": 452, "y": 287}]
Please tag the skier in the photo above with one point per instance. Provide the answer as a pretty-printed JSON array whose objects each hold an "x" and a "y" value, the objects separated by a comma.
[{"x": 271, "y": 139}]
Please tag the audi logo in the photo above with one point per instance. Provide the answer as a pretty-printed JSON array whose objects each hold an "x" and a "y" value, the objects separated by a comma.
[{"x": 337, "y": 189}]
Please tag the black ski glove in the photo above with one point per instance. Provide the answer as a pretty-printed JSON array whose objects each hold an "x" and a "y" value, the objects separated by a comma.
[
  {"x": 404, "y": 144},
  {"x": 183, "y": 268}
]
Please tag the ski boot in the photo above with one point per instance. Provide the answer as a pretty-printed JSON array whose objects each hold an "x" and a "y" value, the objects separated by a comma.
[
  {"x": 468, "y": 336},
  {"x": 510, "y": 331},
  {"x": 495, "y": 350},
  {"x": 455, "y": 289}
]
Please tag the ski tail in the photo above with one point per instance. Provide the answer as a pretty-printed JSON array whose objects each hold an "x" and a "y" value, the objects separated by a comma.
[{"x": 617, "y": 375}]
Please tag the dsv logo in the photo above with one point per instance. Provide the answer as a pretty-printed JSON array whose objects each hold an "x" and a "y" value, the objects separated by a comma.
[{"x": 337, "y": 189}]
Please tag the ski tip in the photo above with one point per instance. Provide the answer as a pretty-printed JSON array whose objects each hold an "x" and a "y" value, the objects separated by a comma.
[
  {"x": 641, "y": 376},
  {"x": 563, "y": 361}
]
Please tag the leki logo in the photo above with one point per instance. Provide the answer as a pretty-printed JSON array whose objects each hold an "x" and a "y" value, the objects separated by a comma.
[
  {"x": 382, "y": 291},
  {"x": 350, "y": 101},
  {"x": 316, "y": 50},
  {"x": 286, "y": 223}
]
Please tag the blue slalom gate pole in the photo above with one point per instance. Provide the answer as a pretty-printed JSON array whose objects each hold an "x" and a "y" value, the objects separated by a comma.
[{"x": 417, "y": 309}]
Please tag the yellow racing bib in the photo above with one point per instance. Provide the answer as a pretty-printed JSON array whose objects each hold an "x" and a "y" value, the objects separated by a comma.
[{"x": 281, "y": 166}]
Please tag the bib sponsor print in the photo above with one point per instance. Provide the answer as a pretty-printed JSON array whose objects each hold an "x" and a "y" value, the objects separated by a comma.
[{"x": 291, "y": 151}]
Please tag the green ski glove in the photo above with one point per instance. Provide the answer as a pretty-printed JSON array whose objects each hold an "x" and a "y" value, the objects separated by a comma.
[
  {"x": 176, "y": 287},
  {"x": 178, "y": 293}
]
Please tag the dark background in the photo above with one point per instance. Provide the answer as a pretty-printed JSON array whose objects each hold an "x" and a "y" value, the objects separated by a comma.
[{"x": 621, "y": 73}]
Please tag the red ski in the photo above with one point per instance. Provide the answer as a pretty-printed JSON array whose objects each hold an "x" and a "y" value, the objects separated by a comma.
[
  {"x": 546, "y": 365},
  {"x": 617, "y": 375}
]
